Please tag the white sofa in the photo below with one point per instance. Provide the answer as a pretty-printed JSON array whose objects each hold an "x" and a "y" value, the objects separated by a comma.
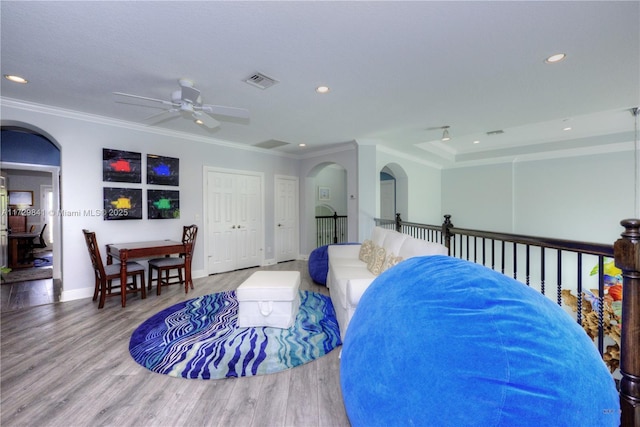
[{"x": 352, "y": 268}]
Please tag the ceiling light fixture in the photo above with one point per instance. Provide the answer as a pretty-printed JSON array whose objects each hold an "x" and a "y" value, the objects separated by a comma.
[
  {"x": 322, "y": 89},
  {"x": 302, "y": 144},
  {"x": 445, "y": 133},
  {"x": 15, "y": 79},
  {"x": 555, "y": 58},
  {"x": 198, "y": 122},
  {"x": 567, "y": 128}
]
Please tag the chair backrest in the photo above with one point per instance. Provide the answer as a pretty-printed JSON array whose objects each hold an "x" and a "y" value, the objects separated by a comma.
[
  {"x": 189, "y": 233},
  {"x": 42, "y": 243},
  {"x": 94, "y": 252}
]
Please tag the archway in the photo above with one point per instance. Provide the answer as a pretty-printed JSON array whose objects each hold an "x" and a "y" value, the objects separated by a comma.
[
  {"x": 30, "y": 160},
  {"x": 327, "y": 182}
]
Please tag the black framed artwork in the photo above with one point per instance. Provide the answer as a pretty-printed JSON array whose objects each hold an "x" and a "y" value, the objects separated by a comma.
[
  {"x": 163, "y": 204},
  {"x": 122, "y": 203},
  {"x": 121, "y": 166},
  {"x": 162, "y": 170}
]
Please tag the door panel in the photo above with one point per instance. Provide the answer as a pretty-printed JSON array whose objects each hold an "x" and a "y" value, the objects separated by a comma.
[
  {"x": 234, "y": 211},
  {"x": 286, "y": 216}
]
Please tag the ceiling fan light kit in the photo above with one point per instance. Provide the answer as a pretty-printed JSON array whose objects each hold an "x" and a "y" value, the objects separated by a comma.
[
  {"x": 188, "y": 100},
  {"x": 445, "y": 134}
]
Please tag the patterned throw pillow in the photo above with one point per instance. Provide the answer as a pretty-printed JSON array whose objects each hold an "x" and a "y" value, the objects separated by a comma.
[
  {"x": 366, "y": 251},
  {"x": 375, "y": 266},
  {"x": 390, "y": 261}
]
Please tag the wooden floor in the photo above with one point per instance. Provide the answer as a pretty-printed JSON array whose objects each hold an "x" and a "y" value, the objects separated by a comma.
[
  {"x": 20, "y": 295},
  {"x": 68, "y": 364}
]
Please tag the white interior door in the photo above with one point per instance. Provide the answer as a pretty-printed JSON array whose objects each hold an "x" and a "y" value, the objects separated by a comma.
[
  {"x": 286, "y": 216},
  {"x": 221, "y": 222},
  {"x": 248, "y": 221},
  {"x": 234, "y": 220}
]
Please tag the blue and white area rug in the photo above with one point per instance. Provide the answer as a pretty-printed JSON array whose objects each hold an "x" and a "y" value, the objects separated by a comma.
[{"x": 199, "y": 338}]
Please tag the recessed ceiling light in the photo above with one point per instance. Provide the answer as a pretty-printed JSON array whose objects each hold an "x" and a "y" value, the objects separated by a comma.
[
  {"x": 567, "y": 128},
  {"x": 15, "y": 79},
  {"x": 302, "y": 145},
  {"x": 322, "y": 89},
  {"x": 555, "y": 58},
  {"x": 199, "y": 122},
  {"x": 476, "y": 142}
]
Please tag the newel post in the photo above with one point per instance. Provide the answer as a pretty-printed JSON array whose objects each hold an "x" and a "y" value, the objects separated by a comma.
[
  {"x": 446, "y": 232},
  {"x": 626, "y": 251},
  {"x": 398, "y": 223}
]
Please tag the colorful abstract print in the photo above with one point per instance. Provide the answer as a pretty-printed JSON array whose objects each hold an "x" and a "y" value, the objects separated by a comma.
[{"x": 200, "y": 339}]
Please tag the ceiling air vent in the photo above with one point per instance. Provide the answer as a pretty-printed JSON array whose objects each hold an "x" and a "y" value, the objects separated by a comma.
[
  {"x": 261, "y": 81},
  {"x": 272, "y": 143},
  {"x": 495, "y": 132}
]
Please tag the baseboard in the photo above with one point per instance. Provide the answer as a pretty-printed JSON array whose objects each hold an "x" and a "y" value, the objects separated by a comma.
[{"x": 76, "y": 294}]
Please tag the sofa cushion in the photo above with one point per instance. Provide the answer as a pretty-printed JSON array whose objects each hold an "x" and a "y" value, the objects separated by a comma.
[
  {"x": 341, "y": 276},
  {"x": 366, "y": 251},
  {"x": 378, "y": 235},
  {"x": 393, "y": 241},
  {"x": 418, "y": 247}
]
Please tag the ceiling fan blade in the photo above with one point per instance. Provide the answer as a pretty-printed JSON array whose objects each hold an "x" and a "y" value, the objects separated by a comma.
[
  {"x": 220, "y": 110},
  {"x": 145, "y": 98},
  {"x": 206, "y": 120},
  {"x": 162, "y": 116}
]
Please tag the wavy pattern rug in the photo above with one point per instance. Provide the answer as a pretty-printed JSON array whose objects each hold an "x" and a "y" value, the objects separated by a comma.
[{"x": 199, "y": 338}]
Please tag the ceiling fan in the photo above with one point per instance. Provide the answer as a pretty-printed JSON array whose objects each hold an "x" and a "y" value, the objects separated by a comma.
[{"x": 187, "y": 102}]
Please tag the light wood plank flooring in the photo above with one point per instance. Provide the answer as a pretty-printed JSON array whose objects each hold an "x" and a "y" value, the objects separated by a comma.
[{"x": 68, "y": 364}]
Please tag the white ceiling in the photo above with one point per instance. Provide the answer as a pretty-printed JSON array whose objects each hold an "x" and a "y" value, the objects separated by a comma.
[{"x": 396, "y": 69}]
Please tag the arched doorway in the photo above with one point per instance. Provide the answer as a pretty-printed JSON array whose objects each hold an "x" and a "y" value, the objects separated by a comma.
[
  {"x": 394, "y": 190},
  {"x": 30, "y": 162},
  {"x": 328, "y": 184}
]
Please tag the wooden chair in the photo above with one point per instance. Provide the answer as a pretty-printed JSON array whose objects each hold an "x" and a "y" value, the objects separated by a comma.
[
  {"x": 166, "y": 264},
  {"x": 104, "y": 274}
]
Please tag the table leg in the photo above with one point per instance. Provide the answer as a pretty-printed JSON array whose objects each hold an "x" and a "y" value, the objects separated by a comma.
[{"x": 123, "y": 277}]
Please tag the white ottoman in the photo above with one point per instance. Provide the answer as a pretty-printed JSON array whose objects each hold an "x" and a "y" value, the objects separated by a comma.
[{"x": 269, "y": 298}]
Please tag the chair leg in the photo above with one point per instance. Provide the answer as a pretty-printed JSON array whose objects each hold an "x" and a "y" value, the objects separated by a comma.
[
  {"x": 150, "y": 284},
  {"x": 103, "y": 291},
  {"x": 159, "y": 282},
  {"x": 96, "y": 288},
  {"x": 143, "y": 287}
]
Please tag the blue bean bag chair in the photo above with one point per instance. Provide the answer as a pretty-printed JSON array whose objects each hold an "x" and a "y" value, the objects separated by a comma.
[
  {"x": 318, "y": 264},
  {"x": 438, "y": 341}
]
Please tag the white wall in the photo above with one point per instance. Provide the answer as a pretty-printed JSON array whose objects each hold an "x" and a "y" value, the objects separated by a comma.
[
  {"x": 335, "y": 179},
  {"x": 479, "y": 197},
  {"x": 423, "y": 188},
  {"x": 580, "y": 197}
]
